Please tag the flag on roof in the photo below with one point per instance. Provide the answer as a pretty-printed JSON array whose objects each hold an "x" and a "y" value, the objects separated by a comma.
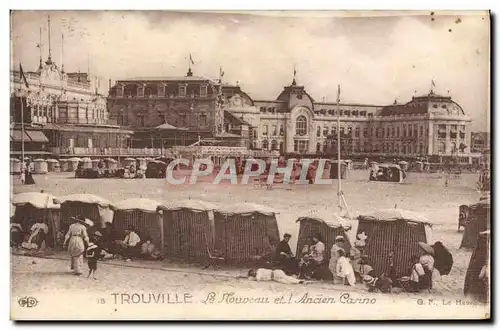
[{"x": 23, "y": 77}]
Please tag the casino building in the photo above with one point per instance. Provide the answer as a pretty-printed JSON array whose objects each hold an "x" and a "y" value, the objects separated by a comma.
[
  {"x": 62, "y": 112},
  {"x": 181, "y": 110}
]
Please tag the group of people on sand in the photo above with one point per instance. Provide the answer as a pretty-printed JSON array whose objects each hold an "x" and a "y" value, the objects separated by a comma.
[
  {"x": 341, "y": 267},
  {"x": 31, "y": 238},
  {"x": 349, "y": 268},
  {"x": 81, "y": 241},
  {"x": 26, "y": 175}
]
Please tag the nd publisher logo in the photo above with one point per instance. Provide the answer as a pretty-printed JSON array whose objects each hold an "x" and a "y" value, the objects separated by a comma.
[{"x": 27, "y": 302}]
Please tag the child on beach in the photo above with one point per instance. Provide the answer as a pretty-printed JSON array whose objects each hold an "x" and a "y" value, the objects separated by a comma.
[{"x": 93, "y": 253}]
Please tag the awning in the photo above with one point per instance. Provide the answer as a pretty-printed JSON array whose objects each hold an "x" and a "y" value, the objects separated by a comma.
[
  {"x": 37, "y": 136},
  {"x": 17, "y": 152},
  {"x": 16, "y": 135}
]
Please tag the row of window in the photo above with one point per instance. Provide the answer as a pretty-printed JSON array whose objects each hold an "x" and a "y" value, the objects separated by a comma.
[
  {"x": 346, "y": 113},
  {"x": 160, "y": 91},
  {"x": 303, "y": 147},
  {"x": 182, "y": 121}
]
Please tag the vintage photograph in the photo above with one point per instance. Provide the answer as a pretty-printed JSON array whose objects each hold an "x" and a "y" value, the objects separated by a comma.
[{"x": 250, "y": 165}]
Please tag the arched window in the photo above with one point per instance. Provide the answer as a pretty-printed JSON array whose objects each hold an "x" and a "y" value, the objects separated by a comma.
[
  {"x": 265, "y": 145},
  {"x": 318, "y": 132},
  {"x": 301, "y": 126},
  {"x": 318, "y": 147},
  {"x": 441, "y": 147},
  {"x": 453, "y": 147},
  {"x": 274, "y": 145},
  {"x": 281, "y": 147},
  {"x": 325, "y": 146}
]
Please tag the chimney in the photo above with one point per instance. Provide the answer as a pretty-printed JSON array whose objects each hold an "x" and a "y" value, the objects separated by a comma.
[{"x": 109, "y": 83}]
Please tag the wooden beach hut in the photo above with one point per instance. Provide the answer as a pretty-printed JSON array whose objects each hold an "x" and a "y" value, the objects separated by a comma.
[
  {"x": 111, "y": 164},
  {"x": 64, "y": 163},
  {"x": 129, "y": 161},
  {"x": 87, "y": 163},
  {"x": 475, "y": 286},
  {"x": 334, "y": 167},
  {"x": 478, "y": 220},
  {"x": 188, "y": 228},
  {"x": 73, "y": 164},
  {"x": 246, "y": 232},
  {"x": 327, "y": 224},
  {"x": 40, "y": 166},
  {"x": 393, "y": 232},
  {"x": 32, "y": 206},
  {"x": 142, "y": 214},
  {"x": 95, "y": 164},
  {"x": 88, "y": 206},
  {"x": 15, "y": 166},
  {"x": 53, "y": 165}
]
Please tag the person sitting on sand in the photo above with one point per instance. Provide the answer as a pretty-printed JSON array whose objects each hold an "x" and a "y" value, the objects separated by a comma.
[
  {"x": 149, "y": 250},
  {"x": 381, "y": 284},
  {"x": 284, "y": 257},
  {"x": 16, "y": 233},
  {"x": 420, "y": 277},
  {"x": 344, "y": 269},
  {"x": 128, "y": 247},
  {"x": 38, "y": 232},
  {"x": 314, "y": 259},
  {"x": 276, "y": 275}
]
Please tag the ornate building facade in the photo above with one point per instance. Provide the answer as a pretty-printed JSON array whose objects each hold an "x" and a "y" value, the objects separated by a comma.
[
  {"x": 62, "y": 113},
  {"x": 431, "y": 126},
  {"x": 169, "y": 111}
]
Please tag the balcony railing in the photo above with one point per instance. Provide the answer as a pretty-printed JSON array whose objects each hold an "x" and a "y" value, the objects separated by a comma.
[{"x": 108, "y": 152}]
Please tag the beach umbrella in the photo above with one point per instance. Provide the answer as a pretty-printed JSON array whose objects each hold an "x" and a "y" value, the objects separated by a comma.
[{"x": 426, "y": 247}]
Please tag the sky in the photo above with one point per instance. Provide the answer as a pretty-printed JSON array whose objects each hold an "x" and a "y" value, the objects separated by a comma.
[{"x": 376, "y": 57}]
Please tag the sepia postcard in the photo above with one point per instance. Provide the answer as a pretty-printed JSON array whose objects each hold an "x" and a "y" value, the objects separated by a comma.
[{"x": 250, "y": 165}]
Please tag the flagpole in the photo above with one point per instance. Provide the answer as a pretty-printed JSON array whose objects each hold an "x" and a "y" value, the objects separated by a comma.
[
  {"x": 339, "y": 192},
  {"x": 22, "y": 122}
]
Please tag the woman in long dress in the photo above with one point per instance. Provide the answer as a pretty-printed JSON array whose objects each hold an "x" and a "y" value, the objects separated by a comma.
[{"x": 76, "y": 240}]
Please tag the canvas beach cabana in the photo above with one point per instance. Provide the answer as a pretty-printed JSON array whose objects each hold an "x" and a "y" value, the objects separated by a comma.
[
  {"x": 188, "y": 227},
  {"x": 246, "y": 232},
  {"x": 327, "y": 224},
  {"x": 142, "y": 214},
  {"x": 89, "y": 206},
  {"x": 478, "y": 220},
  {"x": 394, "y": 232},
  {"x": 474, "y": 286},
  {"x": 32, "y": 206},
  {"x": 53, "y": 165},
  {"x": 73, "y": 164}
]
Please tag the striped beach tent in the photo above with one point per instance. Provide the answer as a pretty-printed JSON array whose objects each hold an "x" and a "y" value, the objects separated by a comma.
[
  {"x": 475, "y": 286},
  {"x": 142, "y": 214},
  {"x": 327, "y": 224},
  {"x": 478, "y": 220},
  {"x": 246, "y": 232},
  {"x": 393, "y": 232},
  {"x": 32, "y": 206},
  {"x": 188, "y": 227},
  {"x": 88, "y": 206}
]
